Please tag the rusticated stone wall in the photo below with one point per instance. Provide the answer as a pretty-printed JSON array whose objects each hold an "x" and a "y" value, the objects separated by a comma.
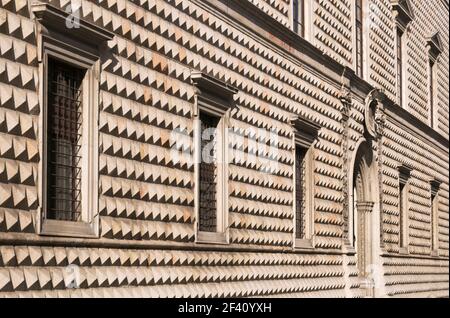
[{"x": 147, "y": 243}]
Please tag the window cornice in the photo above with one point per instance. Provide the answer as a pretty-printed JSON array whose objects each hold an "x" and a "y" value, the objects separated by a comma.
[
  {"x": 435, "y": 186},
  {"x": 434, "y": 45},
  {"x": 213, "y": 96},
  {"x": 403, "y": 13},
  {"x": 306, "y": 131},
  {"x": 404, "y": 171},
  {"x": 206, "y": 83},
  {"x": 57, "y": 19}
]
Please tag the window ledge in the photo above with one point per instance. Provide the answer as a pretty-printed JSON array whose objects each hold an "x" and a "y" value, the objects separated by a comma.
[
  {"x": 212, "y": 238},
  {"x": 303, "y": 244},
  {"x": 68, "y": 229},
  {"x": 403, "y": 251},
  {"x": 348, "y": 249}
]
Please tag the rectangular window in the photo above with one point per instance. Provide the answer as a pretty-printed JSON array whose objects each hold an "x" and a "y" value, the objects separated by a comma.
[
  {"x": 431, "y": 92},
  {"x": 208, "y": 173},
  {"x": 299, "y": 17},
  {"x": 402, "y": 214},
  {"x": 214, "y": 102},
  {"x": 64, "y": 131},
  {"x": 300, "y": 191},
  {"x": 359, "y": 37},
  {"x": 435, "y": 186},
  {"x": 403, "y": 207},
  {"x": 434, "y": 223},
  {"x": 304, "y": 138},
  {"x": 400, "y": 67},
  {"x": 69, "y": 71}
]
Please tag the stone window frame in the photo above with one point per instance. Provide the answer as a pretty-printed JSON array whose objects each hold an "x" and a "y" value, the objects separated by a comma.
[
  {"x": 434, "y": 46},
  {"x": 305, "y": 133},
  {"x": 435, "y": 186},
  {"x": 364, "y": 37},
  {"x": 403, "y": 15},
  {"x": 215, "y": 98},
  {"x": 308, "y": 24},
  {"x": 76, "y": 42},
  {"x": 404, "y": 176}
]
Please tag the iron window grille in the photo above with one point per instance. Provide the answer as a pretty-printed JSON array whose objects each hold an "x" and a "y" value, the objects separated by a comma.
[
  {"x": 431, "y": 92},
  {"x": 208, "y": 173},
  {"x": 64, "y": 124},
  {"x": 400, "y": 67},
  {"x": 300, "y": 191},
  {"x": 359, "y": 37}
]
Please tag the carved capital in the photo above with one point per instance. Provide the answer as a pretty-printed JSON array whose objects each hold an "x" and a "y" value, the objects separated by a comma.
[{"x": 365, "y": 207}]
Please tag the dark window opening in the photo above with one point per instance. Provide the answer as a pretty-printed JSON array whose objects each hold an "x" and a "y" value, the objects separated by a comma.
[
  {"x": 64, "y": 141},
  {"x": 359, "y": 38},
  {"x": 434, "y": 222},
  {"x": 208, "y": 173},
  {"x": 431, "y": 89},
  {"x": 399, "y": 67},
  {"x": 300, "y": 191},
  {"x": 299, "y": 17},
  {"x": 402, "y": 213}
]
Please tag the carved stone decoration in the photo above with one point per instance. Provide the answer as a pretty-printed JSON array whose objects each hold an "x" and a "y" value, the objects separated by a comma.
[
  {"x": 373, "y": 114},
  {"x": 364, "y": 250},
  {"x": 345, "y": 97},
  {"x": 346, "y": 100},
  {"x": 380, "y": 121}
]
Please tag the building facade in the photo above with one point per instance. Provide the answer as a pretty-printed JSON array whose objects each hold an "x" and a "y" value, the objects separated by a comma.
[{"x": 224, "y": 148}]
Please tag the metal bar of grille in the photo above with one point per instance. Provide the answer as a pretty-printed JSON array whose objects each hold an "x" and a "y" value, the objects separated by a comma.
[
  {"x": 64, "y": 123},
  {"x": 208, "y": 175},
  {"x": 300, "y": 154}
]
